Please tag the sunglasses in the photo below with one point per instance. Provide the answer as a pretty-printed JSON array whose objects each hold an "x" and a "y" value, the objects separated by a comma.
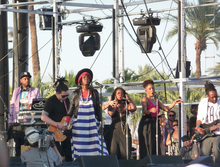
[
  {"x": 171, "y": 115},
  {"x": 175, "y": 125},
  {"x": 63, "y": 96}
]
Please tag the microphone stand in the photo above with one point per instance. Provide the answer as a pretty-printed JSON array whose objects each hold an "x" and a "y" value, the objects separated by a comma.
[
  {"x": 156, "y": 98},
  {"x": 126, "y": 116},
  {"x": 100, "y": 94}
]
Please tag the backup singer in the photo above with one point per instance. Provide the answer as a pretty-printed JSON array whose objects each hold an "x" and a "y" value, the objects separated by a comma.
[
  {"x": 147, "y": 126},
  {"x": 118, "y": 126},
  {"x": 208, "y": 112},
  {"x": 85, "y": 113},
  {"x": 55, "y": 109},
  {"x": 22, "y": 98}
]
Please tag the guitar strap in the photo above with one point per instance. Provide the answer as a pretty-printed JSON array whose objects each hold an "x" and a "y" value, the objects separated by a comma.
[{"x": 65, "y": 105}]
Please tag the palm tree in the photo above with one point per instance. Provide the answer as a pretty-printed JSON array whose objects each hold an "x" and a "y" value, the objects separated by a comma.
[
  {"x": 198, "y": 25},
  {"x": 34, "y": 46}
]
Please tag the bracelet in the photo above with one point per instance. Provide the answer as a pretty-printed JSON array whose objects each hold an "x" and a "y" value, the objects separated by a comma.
[{"x": 57, "y": 125}]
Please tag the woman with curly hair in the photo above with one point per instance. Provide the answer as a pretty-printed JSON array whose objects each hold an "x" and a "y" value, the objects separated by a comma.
[
  {"x": 147, "y": 125},
  {"x": 119, "y": 122},
  {"x": 85, "y": 115}
]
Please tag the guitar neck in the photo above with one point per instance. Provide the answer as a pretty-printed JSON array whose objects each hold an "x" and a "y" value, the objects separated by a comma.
[{"x": 212, "y": 128}]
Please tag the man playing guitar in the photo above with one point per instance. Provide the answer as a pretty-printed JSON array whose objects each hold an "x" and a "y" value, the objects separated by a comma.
[
  {"x": 208, "y": 112},
  {"x": 55, "y": 109}
]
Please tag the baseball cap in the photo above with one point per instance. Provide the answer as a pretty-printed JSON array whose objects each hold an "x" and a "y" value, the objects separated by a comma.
[{"x": 25, "y": 74}]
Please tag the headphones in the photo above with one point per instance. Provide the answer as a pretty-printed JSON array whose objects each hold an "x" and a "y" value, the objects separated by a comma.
[{"x": 26, "y": 142}]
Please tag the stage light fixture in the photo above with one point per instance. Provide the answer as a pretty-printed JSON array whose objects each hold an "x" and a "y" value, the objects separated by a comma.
[
  {"x": 89, "y": 46},
  {"x": 146, "y": 32}
]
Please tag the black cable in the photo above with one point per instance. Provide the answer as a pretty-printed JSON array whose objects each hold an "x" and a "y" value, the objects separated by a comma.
[
  {"x": 139, "y": 40},
  {"x": 101, "y": 50},
  {"x": 26, "y": 60},
  {"x": 46, "y": 65},
  {"x": 158, "y": 39}
]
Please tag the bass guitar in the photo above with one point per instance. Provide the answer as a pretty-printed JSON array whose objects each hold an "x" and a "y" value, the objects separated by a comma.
[
  {"x": 59, "y": 133},
  {"x": 211, "y": 129}
]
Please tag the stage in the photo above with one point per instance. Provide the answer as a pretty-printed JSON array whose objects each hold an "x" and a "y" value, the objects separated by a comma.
[{"x": 112, "y": 161}]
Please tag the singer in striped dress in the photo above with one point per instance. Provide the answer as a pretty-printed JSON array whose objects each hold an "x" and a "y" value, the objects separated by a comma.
[{"x": 85, "y": 116}]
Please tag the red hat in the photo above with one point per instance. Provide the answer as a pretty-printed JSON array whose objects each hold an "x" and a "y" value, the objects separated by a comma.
[{"x": 83, "y": 72}]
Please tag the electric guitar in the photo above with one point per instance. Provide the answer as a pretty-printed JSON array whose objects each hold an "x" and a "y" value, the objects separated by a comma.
[
  {"x": 211, "y": 129},
  {"x": 59, "y": 133}
]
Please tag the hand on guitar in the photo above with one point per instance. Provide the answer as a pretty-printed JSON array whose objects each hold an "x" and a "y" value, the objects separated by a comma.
[
  {"x": 201, "y": 130},
  {"x": 61, "y": 126}
]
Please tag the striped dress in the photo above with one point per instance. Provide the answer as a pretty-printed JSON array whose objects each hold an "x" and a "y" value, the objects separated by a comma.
[{"x": 85, "y": 139}]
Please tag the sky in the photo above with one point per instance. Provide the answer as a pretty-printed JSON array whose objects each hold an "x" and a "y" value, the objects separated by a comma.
[{"x": 73, "y": 60}]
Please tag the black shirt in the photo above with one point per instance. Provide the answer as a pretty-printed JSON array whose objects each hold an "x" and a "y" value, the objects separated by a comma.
[{"x": 55, "y": 108}]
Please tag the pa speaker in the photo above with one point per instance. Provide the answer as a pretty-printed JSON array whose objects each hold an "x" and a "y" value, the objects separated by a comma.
[
  {"x": 98, "y": 161},
  {"x": 160, "y": 160},
  {"x": 202, "y": 160}
]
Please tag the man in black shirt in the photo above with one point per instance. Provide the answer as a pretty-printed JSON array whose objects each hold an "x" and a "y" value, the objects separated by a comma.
[{"x": 55, "y": 109}]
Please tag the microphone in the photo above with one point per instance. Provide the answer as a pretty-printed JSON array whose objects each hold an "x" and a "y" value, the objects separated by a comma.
[
  {"x": 125, "y": 99},
  {"x": 156, "y": 95},
  {"x": 100, "y": 85}
]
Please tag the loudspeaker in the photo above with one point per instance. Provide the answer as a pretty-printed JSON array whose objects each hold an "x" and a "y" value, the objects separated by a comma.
[
  {"x": 152, "y": 160},
  {"x": 98, "y": 161},
  {"x": 188, "y": 71},
  {"x": 202, "y": 160},
  {"x": 128, "y": 163}
]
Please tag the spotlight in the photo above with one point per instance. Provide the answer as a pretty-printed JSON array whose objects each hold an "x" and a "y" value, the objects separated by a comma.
[
  {"x": 146, "y": 32},
  {"x": 88, "y": 47}
]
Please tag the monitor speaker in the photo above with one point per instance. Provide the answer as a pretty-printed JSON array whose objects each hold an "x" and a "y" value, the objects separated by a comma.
[{"x": 98, "y": 161}]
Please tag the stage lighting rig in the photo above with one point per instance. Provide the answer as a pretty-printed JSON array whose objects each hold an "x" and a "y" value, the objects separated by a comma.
[
  {"x": 146, "y": 32},
  {"x": 89, "y": 46}
]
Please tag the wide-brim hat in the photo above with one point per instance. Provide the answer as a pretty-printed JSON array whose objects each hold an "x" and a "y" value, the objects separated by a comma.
[
  {"x": 34, "y": 135},
  {"x": 25, "y": 74},
  {"x": 85, "y": 70}
]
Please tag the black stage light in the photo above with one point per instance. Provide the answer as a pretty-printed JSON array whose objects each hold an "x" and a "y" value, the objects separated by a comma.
[
  {"x": 88, "y": 47},
  {"x": 146, "y": 32}
]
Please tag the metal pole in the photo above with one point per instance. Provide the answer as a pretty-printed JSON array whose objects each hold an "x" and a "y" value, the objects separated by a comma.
[
  {"x": 16, "y": 81},
  {"x": 182, "y": 73},
  {"x": 126, "y": 124},
  {"x": 23, "y": 33},
  {"x": 55, "y": 19},
  {"x": 121, "y": 44},
  {"x": 101, "y": 120},
  {"x": 4, "y": 83},
  {"x": 116, "y": 78},
  {"x": 157, "y": 143}
]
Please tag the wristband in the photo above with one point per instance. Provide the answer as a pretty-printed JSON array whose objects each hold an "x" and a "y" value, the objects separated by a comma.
[
  {"x": 197, "y": 127},
  {"x": 58, "y": 125}
]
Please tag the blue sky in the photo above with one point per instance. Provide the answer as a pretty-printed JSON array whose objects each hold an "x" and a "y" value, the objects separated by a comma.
[{"x": 72, "y": 58}]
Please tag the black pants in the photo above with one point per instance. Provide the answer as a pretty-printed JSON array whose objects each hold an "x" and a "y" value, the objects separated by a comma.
[
  {"x": 118, "y": 141},
  {"x": 18, "y": 143},
  {"x": 147, "y": 137},
  {"x": 64, "y": 148}
]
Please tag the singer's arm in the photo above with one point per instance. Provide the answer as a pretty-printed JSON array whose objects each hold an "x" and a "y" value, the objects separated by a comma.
[
  {"x": 168, "y": 108},
  {"x": 131, "y": 106}
]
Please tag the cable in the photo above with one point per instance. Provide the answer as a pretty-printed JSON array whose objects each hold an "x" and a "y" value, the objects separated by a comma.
[
  {"x": 166, "y": 22},
  {"x": 158, "y": 39},
  {"x": 25, "y": 60},
  {"x": 46, "y": 65},
  {"x": 14, "y": 48},
  {"x": 139, "y": 40},
  {"x": 101, "y": 50}
]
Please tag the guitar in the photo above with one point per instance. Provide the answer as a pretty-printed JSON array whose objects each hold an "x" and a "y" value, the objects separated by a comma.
[
  {"x": 210, "y": 130},
  {"x": 59, "y": 133}
]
